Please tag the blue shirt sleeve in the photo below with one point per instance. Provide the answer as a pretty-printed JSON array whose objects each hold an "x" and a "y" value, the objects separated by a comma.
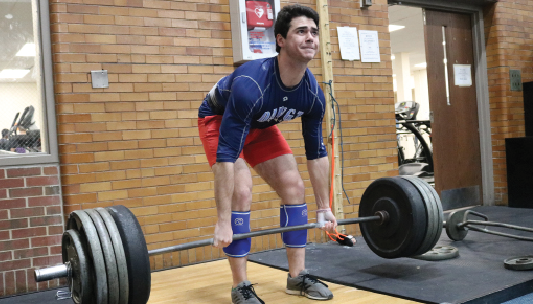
[
  {"x": 312, "y": 128},
  {"x": 243, "y": 103}
]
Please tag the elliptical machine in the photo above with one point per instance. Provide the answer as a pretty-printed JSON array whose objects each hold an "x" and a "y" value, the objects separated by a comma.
[{"x": 421, "y": 165}]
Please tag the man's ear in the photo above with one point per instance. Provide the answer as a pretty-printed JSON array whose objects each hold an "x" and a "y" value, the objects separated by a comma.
[{"x": 280, "y": 40}]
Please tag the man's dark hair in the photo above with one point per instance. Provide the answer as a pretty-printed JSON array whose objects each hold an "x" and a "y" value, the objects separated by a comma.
[
  {"x": 285, "y": 15},
  {"x": 5, "y": 132}
]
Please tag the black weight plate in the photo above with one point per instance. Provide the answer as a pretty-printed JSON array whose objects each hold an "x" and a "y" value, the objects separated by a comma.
[
  {"x": 519, "y": 263},
  {"x": 440, "y": 219},
  {"x": 439, "y": 253},
  {"x": 403, "y": 233},
  {"x": 136, "y": 252},
  {"x": 430, "y": 215},
  {"x": 455, "y": 233},
  {"x": 80, "y": 279},
  {"x": 109, "y": 257},
  {"x": 80, "y": 221},
  {"x": 119, "y": 252},
  {"x": 433, "y": 213}
]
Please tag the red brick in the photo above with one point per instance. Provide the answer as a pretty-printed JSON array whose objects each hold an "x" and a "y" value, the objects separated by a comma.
[
  {"x": 45, "y": 221},
  {"x": 2, "y": 176},
  {"x": 5, "y": 255},
  {"x": 47, "y": 261},
  {"x": 15, "y": 264},
  {"x": 52, "y": 230},
  {"x": 30, "y": 253},
  {"x": 4, "y": 235},
  {"x": 55, "y": 250},
  {"x": 14, "y": 224},
  {"x": 20, "y": 281},
  {"x": 3, "y": 193},
  {"x": 23, "y": 192},
  {"x": 26, "y": 212},
  {"x": 30, "y": 232},
  {"x": 42, "y": 285},
  {"x": 3, "y": 214},
  {"x": 53, "y": 210},
  {"x": 9, "y": 281},
  {"x": 44, "y": 241},
  {"x": 50, "y": 170},
  {"x": 52, "y": 200},
  {"x": 13, "y": 203},
  {"x": 42, "y": 181},
  {"x": 14, "y": 244},
  {"x": 52, "y": 190},
  {"x": 12, "y": 183},
  {"x": 23, "y": 172},
  {"x": 32, "y": 285},
  {"x": 2, "y": 293}
]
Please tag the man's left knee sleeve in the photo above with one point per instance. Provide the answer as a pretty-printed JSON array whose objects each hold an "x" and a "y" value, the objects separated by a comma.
[
  {"x": 294, "y": 215},
  {"x": 240, "y": 223}
]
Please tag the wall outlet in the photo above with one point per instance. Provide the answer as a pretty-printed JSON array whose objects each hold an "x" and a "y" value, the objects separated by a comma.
[{"x": 516, "y": 82}]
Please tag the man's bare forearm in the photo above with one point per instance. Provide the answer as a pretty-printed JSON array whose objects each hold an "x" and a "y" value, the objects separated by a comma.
[
  {"x": 224, "y": 185},
  {"x": 319, "y": 176}
]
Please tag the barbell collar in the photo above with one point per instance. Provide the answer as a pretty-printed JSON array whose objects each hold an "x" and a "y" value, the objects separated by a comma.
[
  {"x": 208, "y": 242},
  {"x": 54, "y": 272}
]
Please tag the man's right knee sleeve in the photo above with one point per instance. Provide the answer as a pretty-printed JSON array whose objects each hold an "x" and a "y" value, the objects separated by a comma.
[{"x": 240, "y": 223}]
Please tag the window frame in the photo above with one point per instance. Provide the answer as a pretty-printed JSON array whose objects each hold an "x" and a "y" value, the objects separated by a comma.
[{"x": 48, "y": 100}]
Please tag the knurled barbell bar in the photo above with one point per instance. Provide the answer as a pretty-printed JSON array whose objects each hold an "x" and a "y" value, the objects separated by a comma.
[{"x": 106, "y": 259}]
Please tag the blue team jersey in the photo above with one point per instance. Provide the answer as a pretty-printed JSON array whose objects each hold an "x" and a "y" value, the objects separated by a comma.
[{"x": 254, "y": 96}]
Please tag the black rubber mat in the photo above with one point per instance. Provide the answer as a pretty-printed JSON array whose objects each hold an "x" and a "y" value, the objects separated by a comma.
[
  {"x": 43, "y": 297},
  {"x": 476, "y": 276}
]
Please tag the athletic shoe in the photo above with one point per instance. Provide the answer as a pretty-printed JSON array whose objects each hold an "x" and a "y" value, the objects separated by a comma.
[
  {"x": 244, "y": 293},
  {"x": 306, "y": 285}
]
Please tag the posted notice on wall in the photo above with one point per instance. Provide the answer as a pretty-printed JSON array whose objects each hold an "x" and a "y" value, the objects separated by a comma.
[
  {"x": 348, "y": 43},
  {"x": 462, "y": 73},
  {"x": 369, "y": 43}
]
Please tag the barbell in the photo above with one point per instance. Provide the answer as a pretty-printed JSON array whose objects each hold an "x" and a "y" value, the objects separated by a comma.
[
  {"x": 106, "y": 260},
  {"x": 458, "y": 224}
]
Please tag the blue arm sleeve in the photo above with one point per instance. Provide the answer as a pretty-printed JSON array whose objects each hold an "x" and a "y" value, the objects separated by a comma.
[
  {"x": 242, "y": 105},
  {"x": 312, "y": 129}
]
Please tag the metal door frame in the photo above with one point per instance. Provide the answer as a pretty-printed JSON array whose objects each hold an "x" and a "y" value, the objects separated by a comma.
[{"x": 475, "y": 9}]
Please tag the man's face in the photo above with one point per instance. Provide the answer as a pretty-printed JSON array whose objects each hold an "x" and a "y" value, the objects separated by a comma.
[{"x": 302, "y": 39}]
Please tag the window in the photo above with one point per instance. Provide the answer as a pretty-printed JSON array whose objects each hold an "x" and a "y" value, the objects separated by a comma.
[{"x": 27, "y": 116}]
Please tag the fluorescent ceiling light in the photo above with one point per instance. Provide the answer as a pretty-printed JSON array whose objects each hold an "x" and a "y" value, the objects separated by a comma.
[
  {"x": 421, "y": 65},
  {"x": 393, "y": 27},
  {"x": 13, "y": 73},
  {"x": 27, "y": 50}
]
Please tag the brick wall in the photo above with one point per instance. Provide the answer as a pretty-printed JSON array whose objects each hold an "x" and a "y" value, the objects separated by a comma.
[
  {"x": 509, "y": 43},
  {"x": 31, "y": 226},
  {"x": 136, "y": 143}
]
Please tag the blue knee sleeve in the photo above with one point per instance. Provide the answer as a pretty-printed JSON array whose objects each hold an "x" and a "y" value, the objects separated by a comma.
[
  {"x": 294, "y": 215},
  {"x": 240, "y": 223}
]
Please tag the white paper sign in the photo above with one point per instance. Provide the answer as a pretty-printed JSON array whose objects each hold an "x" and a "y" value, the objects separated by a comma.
[
  {"x": 348, "y": 43},
  {"x": 369, "y": 46},
  {"x": 462, "y": 73}
]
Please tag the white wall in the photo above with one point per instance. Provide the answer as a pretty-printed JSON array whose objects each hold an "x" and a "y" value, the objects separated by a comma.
[{"x": 421, "y": 93}]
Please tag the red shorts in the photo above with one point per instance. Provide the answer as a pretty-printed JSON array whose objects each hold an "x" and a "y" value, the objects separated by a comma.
[{"x": 260, "y": 145}]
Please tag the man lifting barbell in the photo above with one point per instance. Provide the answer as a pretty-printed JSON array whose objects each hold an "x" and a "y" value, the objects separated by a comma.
[
  {"x": 237, "y": 124},
  {"x": 399, "y": 217}
]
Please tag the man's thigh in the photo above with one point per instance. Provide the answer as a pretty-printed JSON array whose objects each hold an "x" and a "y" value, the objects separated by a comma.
[{"x": 282, "y": 174}]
